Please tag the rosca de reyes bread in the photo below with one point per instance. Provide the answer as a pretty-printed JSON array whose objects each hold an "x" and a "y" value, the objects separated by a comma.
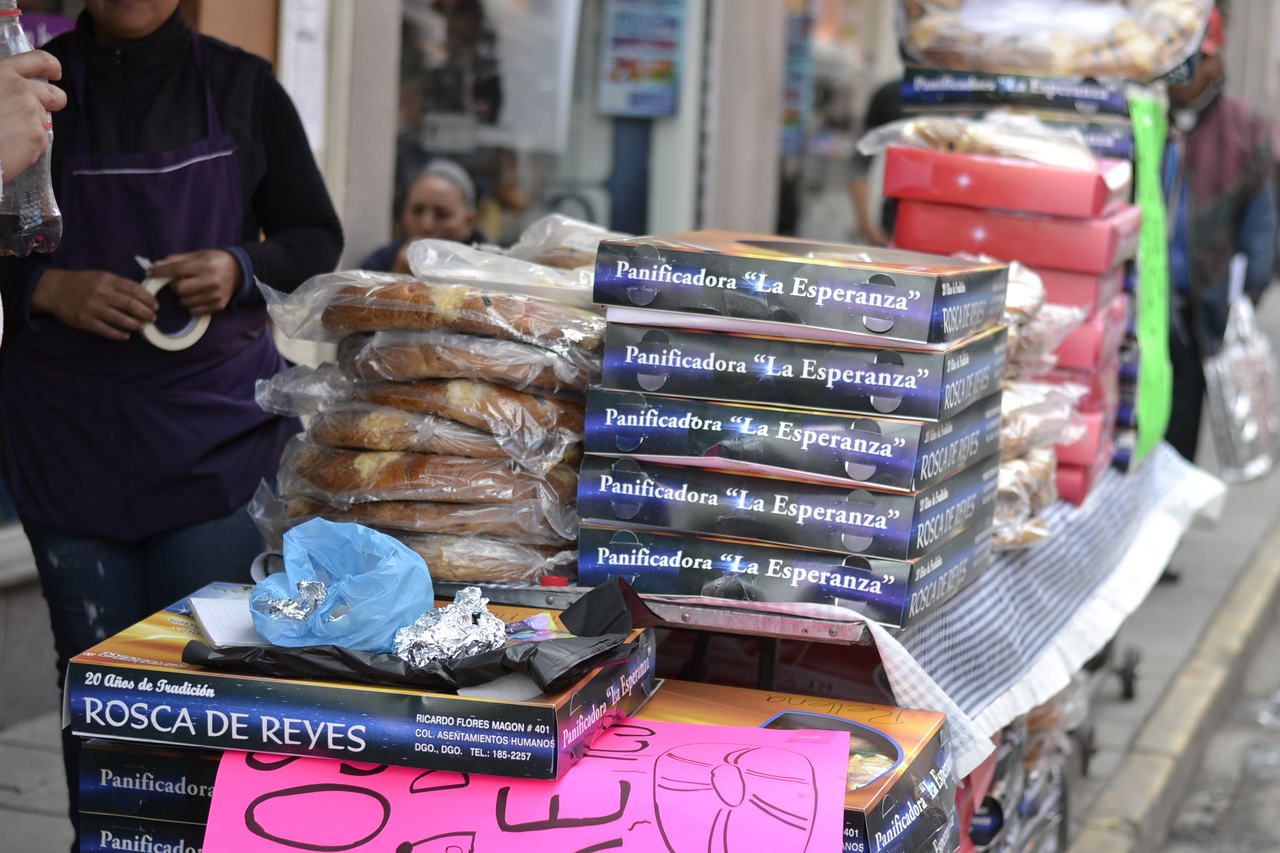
[
  {"x": 493, "y": 408},
  {"x": 436, "y": 354},
  {"x": 369, "y": 427},
  {"x": 342, "y": 477},
  {"x": 401, "y": 304},
  {"x": 528, "y": 522},
  {"x": 486, "y": 559}
]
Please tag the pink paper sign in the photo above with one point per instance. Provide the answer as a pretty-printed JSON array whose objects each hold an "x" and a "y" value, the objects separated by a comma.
[{"x": 643, "y": 786}]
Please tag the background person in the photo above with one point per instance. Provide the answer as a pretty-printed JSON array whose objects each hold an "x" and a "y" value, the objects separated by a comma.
[
  {"x": 1222, "y": 203},
  {"x": 440, "y": 204},
  {"x": 131, "y": 466}
]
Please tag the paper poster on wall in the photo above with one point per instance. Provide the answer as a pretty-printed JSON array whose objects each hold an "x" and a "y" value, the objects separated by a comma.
[
  {"x": 642, "y": 786},
  {"x": 304, "y": 63},
  {"x": 640, "y": 57}
]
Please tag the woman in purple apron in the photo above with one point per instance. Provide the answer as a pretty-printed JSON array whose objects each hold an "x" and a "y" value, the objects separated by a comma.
[{"x": 130, "y": 465}]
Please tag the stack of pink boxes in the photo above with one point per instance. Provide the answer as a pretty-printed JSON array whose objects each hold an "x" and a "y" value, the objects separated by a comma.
[{"x": 1074, "y": 227}]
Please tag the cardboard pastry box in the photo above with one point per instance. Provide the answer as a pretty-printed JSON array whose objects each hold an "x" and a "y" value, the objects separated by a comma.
[
  {"x": 885, "y": 453},
  {"x": 872, "y": 380},
  {"x": 749, "y": 575},
  {"x": 135, "y": 685},
  {"x": 901, "y": 787},
  {"x": 894, "y": 525},
  {"x": 785, "y": 286},
  {"x": 1093, "y": 246},
  {"x": 1005, "y": 183}
]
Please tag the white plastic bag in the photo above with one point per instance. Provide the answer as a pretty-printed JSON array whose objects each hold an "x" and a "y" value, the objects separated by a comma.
[{"x": 1241, "y": 382}]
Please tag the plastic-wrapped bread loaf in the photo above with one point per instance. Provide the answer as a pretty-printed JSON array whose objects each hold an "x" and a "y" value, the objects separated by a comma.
[
  {"x": 561, "y": 241},
  {"x": 528, "y": 522},
  {"x": 459, "y": 308},
  {"x": 436, "y": 354},
  {"x": 493, "y": 408},
  {"x": 343, "y": 477},
  {"x": 368, "y": 427},
  {"x": 332, "y": 306},
  {"x": 1028, "y": 485},
  {"x": 481, "y": 559}
]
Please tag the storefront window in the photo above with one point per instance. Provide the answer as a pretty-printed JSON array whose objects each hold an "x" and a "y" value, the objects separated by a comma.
[{"x": 487, "y": 84}]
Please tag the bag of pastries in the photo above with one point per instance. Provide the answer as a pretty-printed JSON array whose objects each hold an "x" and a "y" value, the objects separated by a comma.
[
  {"x": 453, "y": 417},
  {"x": 1129, "y": 39},
  {"x": 1038, "y": 415},
  {"x": 332, "y": 306},
  {"x": 1027, "y": 485},
  {"x": 530, "y": 522},
  {"x": 438, "y": 354},
  {"x": 562, "y": 241},
  {"x": 341, "y": 477}
]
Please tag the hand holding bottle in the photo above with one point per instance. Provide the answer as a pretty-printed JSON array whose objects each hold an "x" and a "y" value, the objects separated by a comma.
[{"x": 24, "y": 107}]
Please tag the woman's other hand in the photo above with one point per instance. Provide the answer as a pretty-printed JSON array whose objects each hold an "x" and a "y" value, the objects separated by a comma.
[
  {"x": 96, "y": 301},
  {"x": 203, "y": 281}
]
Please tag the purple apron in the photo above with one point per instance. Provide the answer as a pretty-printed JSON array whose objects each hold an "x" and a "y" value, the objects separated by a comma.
[{"x": 120, "y": 439}]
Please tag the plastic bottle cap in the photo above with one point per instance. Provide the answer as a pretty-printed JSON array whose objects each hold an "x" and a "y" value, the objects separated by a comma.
[{"x": 553, "y": 580}]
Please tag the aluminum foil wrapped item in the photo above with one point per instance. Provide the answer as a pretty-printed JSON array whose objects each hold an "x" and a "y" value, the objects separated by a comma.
[
  {"x": 465, "y": 627},
  {"x": 311, "y": 594}
]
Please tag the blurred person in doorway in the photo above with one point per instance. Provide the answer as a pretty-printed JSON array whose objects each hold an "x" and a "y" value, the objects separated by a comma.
[
  {"x": 1218, "y": 177},
  {"x": 131, "y": 466},
  {"x": 877, "y": 227},
  {"x": 439, "y": 204}
]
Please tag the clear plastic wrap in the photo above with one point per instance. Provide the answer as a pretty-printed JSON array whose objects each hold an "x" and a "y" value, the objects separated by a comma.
[
  {"x": 562, "y": 241},
  {"x": 997, "y": 134},
  {"x": 1130, "y": 39},
  {"x": 1027, "y": 485},
  {"x": 446, "y": 262},
  {"x": 481, "y": 559},
  {"x": 361, "y": 426},
  {"x": 436, "y": 354},
  {"x": 531, "y": 522},
  {"x": 301, "y": 390},
  {"x": 532, "y": 428},
  {"x": 1025, "y": 294},
  {"x": 344, "y": 477},
  {"x": 331, "y": 306},
  {"x": 1039, "y": 414},
  {"x": 1241, "y": 382},
  {"x": 461, "y": 417},
  {"x": 1038, "y": 337}
]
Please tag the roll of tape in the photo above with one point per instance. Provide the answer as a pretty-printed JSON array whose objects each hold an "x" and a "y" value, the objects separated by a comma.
[{"x": 186, "y": 336}]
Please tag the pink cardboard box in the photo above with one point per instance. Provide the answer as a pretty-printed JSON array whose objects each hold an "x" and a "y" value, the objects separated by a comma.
[
  {"x": 1099, "y": 430},
  {"x": 1081, "y": 290},
  {"x": 1075, "y": 482},
  {"x": 1103, "y": 384},
  {"x": 1004, "y": 183},
  {"x": 1080, "y": 245},
  {"x": 1097, "y": 340}
]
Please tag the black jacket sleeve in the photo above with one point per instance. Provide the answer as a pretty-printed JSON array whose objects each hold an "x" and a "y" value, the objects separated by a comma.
[{"x": 292, "y": 206}]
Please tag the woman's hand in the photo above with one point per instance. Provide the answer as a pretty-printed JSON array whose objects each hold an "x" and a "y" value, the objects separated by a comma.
[
  {"x": 203, "y": 281},
  {"x": 96, "y": 301}
]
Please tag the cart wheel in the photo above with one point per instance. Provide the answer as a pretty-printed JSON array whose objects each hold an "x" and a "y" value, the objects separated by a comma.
[{"x": 1127, "y": 669}]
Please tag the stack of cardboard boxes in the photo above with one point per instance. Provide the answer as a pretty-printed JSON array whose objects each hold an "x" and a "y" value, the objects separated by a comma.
[
  {"x": 1072, "y": 226},
  {"x": 793, "y": 425}
]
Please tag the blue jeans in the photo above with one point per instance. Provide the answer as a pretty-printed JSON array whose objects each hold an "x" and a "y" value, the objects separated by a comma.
[{"x": 98, "y": 587}]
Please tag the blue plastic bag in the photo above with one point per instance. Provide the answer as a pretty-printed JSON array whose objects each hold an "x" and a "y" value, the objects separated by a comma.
[{"x": 373, "y": 584}]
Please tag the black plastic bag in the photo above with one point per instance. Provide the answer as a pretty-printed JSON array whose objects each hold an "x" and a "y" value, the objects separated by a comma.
[{"x": 602, "y": 620}]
